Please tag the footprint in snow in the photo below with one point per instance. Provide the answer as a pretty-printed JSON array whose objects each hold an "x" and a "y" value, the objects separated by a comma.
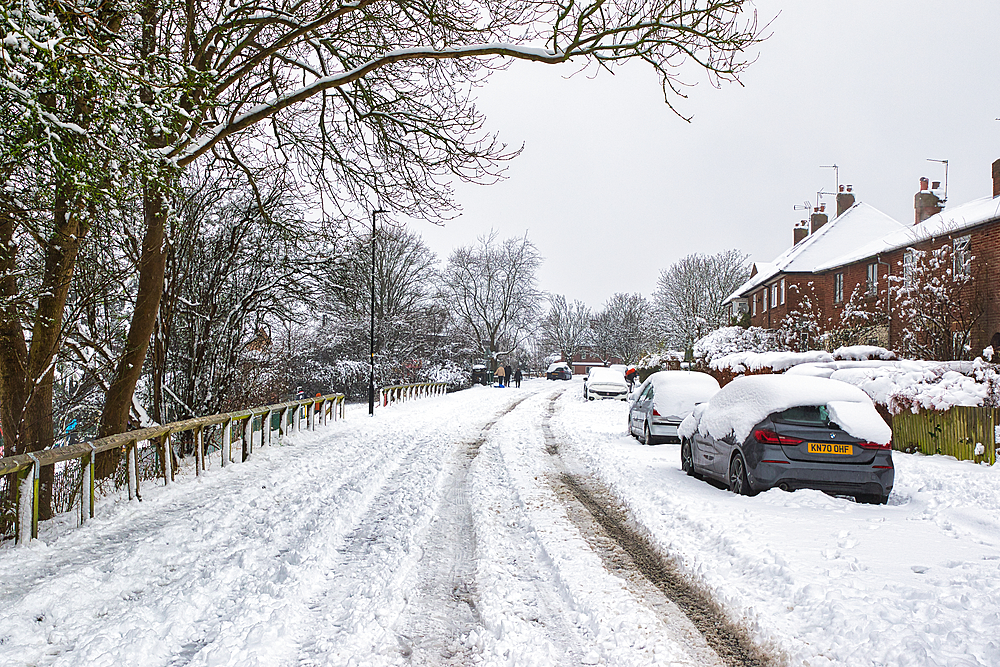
[{"x": 919, "y": 569}]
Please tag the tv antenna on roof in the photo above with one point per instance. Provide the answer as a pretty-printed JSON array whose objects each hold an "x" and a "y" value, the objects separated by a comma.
[
  {"x": 945, "y": 163},
  {"x": 836, "y": 171}
]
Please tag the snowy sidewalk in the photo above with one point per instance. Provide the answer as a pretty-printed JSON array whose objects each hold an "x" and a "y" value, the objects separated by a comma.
[{"x": 824, "y": 580}]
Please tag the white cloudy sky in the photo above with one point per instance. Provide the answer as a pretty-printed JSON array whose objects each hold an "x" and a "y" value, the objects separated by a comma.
[{"x": 613, "y": 187}]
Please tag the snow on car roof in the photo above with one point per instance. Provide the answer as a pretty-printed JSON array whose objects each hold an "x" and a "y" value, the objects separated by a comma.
[
  {"x": 745, "y": 401},
  {"x": 558, "y": 364},
  {"x": 676, "y": 392}
]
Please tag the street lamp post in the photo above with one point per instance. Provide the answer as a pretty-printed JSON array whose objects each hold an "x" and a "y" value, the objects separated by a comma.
[{"x": 371, "y": 330}]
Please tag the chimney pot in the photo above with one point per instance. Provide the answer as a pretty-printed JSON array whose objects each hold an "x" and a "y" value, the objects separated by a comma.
[
  {"x": 850, "y": 188},
  {"x": 935, "y": 185},
  {"x": 841, "y": 189},
  {"x": 924, "y": 183}
]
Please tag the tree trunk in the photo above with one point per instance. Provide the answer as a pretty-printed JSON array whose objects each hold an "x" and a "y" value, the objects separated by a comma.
[{"x": 152, "y": 265}]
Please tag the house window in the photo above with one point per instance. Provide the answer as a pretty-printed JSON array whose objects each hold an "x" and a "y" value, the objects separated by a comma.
[
  {"x": 909, "y": 261},
  {"x": 961, "y": 256},
  {"x": 782, "y": 291},
  {"x": 838, "y": 287},
  {"x": 872, "y": 278},
  {"x": 774, "y": 295},
  {"x": 763, "y": 300},
  {"x": 754, "y": 305}
]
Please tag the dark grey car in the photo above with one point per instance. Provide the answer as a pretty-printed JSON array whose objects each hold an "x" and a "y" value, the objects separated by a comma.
[{"x": 796, "y": 448}]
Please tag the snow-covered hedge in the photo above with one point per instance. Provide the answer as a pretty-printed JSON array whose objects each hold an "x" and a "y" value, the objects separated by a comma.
[{"x": 916, "y": 385}]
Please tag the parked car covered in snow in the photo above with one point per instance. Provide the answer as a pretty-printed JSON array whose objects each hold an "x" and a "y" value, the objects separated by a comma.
[
  {"x": 560, "y": 370},
  {"x": 605, "y": 383},
  {"x": 663, "y": 401},
  {"x": 790, "y": 432}
]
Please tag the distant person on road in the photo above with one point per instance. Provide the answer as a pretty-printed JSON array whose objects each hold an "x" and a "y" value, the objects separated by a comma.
[
  {"x": 500, "y": 376},
  {"x": 517, "y": 378},
  {"x": 508, "y": 373}
]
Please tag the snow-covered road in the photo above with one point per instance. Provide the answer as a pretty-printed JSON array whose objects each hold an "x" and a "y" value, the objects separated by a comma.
[{"x": 441, "y": 532}]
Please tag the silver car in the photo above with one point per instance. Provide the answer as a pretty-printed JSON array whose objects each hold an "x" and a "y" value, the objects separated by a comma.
[{"x": 663, "y": 401}]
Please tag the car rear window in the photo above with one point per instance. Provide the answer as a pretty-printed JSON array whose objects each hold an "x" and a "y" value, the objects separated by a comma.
[{"x": 804, "y": 415}]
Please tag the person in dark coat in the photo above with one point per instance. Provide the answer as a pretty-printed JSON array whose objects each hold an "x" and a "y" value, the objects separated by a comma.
[
  {"x": 631, "y": 375},
  {"x": 508, "y": 373},
  {"x": 517, "y": 378}
]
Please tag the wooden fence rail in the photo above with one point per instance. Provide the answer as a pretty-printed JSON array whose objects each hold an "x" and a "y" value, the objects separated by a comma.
[
  {"x": 155, "y": 459},
  {"x": 957, "y": 432},
  {"x": 399, "y": 393}
]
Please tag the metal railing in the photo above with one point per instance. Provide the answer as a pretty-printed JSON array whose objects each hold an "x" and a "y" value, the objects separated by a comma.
[
  {"x": 399, "y": 393},
  {"x": 146, "y": 455}
]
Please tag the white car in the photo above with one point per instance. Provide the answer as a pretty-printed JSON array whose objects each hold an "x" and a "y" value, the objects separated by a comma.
[
  {"x": 605, "y": 383},
  {"x": 663, "y": 401}
]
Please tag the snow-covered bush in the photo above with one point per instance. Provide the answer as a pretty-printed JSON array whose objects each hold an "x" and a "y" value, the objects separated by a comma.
[{"x": 730, "y": 340}]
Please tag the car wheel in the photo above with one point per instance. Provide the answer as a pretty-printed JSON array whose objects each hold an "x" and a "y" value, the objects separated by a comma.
[
  {"x": 872, "y": 499},
  {"x": 738, "y": 482},
  {"x": 687, "y": 460},
  {"x": 647, "y": 437}
]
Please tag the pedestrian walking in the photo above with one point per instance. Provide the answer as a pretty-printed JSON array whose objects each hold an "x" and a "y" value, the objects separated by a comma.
[
  {"x": 517, "y": 378},
  {"x": 631, "y": 375},
  {"x": 500, "y": 376},
  {"x": 508, "y": 373}
]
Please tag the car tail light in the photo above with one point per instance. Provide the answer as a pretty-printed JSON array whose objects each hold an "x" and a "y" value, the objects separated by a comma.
[
  {"x": 874, "y": 445},
  {"x": 655, "y": 413},
  {"x": 774, "y": 461},
  {"x": 772, "y": 438}
]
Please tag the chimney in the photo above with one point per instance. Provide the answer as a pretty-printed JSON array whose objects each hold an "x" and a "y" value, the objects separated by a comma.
[
  {"x": 800, "y": 232},
  {"x": 925, "y": 202},
  {"x": 996, "y": 178},
  {"x": 819, "y": 218},
  {"x": 845, "y": 200}
]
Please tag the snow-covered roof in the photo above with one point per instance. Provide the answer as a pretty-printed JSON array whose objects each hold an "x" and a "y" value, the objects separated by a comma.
[
  {"x": 966, "y": 216},
  {"x": 859, "y": 224}
]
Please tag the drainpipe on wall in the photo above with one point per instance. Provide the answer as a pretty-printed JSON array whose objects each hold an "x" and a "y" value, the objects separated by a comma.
[{"x": 888, "y": 299}]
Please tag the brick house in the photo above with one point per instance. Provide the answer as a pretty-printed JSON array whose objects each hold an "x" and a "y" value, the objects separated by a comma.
[
  {"x": 972, "y": 230},
  {"x": 777, "y": 288}
]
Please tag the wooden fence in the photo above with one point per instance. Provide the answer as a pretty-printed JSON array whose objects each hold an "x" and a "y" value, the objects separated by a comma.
[
  {"x": 956, "y": 432},
  {"x": 399, "y": 393},
  {"x": 146, "y": 455}
]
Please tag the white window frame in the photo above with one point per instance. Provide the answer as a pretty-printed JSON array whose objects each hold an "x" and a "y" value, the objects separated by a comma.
[
  {"x": 754, "y": 305},
  {"x": 838, "y": 288},
  {"x": 763, "y": 300},
  {"x": 782, "y": 291},
  {"x": 774, "y": 295},
  {"x": 961, "y": 256},
  {"x": 873, "y": 278},
  {"x": 909, "y": 260}
]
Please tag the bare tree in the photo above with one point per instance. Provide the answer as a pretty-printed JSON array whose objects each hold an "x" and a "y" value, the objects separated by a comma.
[
  {"x": 365, "y": 100},
  {"x": 566, "y": 327},
  {"x": 689, "y": 295},
  {"x": 622, "y": 328},
  {"x": 490, "y": 290}
]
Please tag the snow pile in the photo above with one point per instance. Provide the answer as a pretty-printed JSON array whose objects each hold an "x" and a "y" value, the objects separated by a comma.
[
  {"x": 741, "y": 362},
  {"x": 658, "y": 360},
  {"x": 675, "y": 393},
  {"x": 915, "y": 385},
  {"x": 745, "y": 401},
  {"x": 729, "y": 340}
]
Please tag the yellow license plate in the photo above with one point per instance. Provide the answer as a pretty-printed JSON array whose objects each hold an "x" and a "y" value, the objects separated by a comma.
[{"x": 830, "y": 448}]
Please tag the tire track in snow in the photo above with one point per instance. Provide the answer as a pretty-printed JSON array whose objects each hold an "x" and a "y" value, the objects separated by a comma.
[
  {"x": 627, "y": 554},
  {"x": 402, "y": 586}
]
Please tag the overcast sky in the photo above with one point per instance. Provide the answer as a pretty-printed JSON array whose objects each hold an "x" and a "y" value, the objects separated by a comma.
[{"x": 612, "y": 187}]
